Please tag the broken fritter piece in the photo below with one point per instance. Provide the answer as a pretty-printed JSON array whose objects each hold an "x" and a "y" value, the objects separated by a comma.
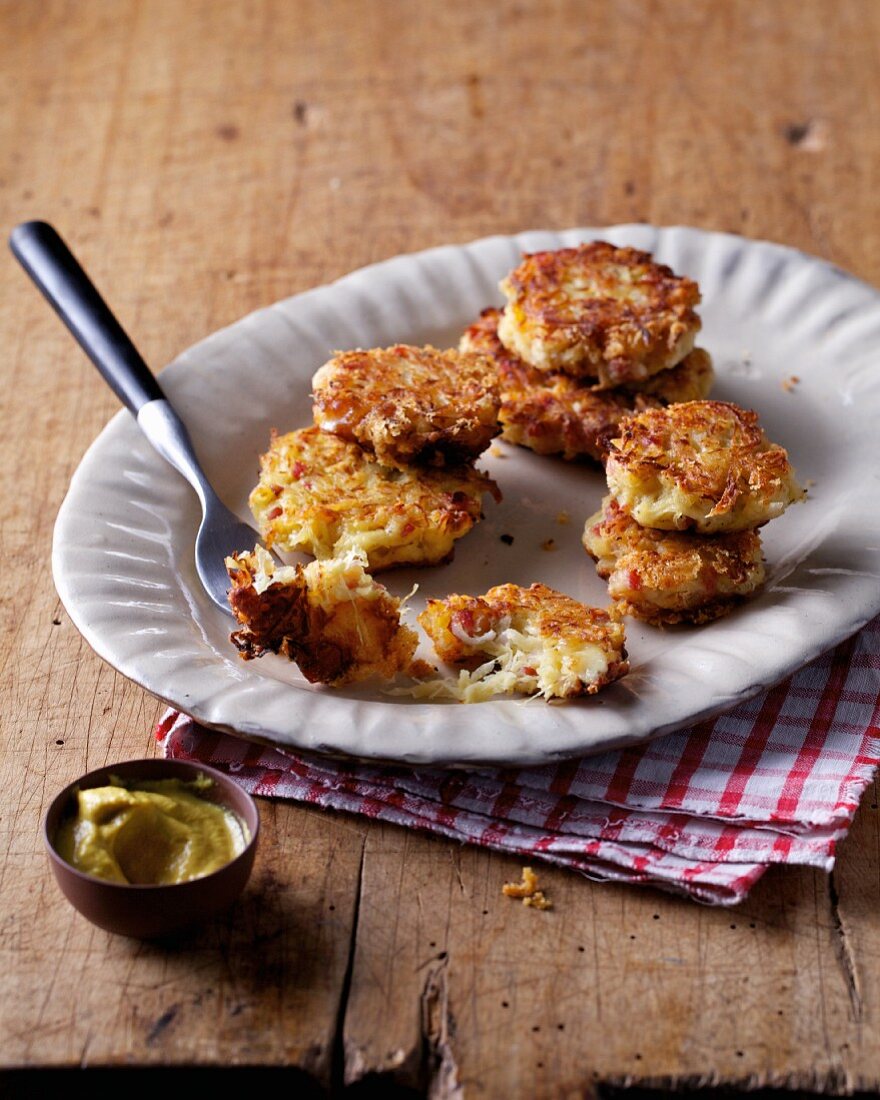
[
  {"x": 326, "y": 496},
  {"x": 598, "y": 311},
  {"x": 330, "y": 617},
  {"x": 535, "y": 641},
  {"x": 553, "y": 413},
  {"x": 669, "y": 577},
  {"x": 409, "y": 405},
  {"x": 703, "y": 465}
]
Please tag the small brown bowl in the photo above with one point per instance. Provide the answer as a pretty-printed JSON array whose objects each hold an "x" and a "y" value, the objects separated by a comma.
[{"x": 149, "y": 912}]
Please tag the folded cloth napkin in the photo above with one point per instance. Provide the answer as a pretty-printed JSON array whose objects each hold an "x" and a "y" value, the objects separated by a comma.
[{"x": 703, "y": 812}]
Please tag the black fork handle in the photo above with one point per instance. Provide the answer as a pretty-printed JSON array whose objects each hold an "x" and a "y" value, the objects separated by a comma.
[{"x": 71, "y": 293}]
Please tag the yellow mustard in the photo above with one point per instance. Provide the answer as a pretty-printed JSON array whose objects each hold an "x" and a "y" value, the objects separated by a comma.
[{"x": 153, "y": 832}]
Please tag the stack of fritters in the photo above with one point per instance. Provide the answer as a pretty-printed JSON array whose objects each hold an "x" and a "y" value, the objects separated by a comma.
[
  {"x": 690, "y": 484},
  {"x": 592, "y": 356},
  {"x": 388, "y": 467},
  {"x": 385, "y": 477},
  {"x": 588, "y": 336}
]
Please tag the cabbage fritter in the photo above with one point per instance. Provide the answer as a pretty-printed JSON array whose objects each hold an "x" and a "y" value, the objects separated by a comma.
[
  {"x": 410, "y": 405},
  {"x": 701, "y": 465},
  {"x": 667, "y": 577},
  {"x": 323, "y": 495},
  {"x": 531, "y": 640},
  {"x": 330, "y": 617},
  {"x": 597, "y": 311},
  {"x": 555, "y": 414}
]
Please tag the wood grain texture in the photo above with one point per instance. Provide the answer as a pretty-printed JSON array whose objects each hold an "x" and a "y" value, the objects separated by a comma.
[{"x": 206, "y": 157}]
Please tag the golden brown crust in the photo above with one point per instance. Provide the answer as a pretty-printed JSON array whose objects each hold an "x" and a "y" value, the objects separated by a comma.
[
  {"x": 689, "y": 380},
  {"x": 468, "y": 630},
  {"x": 527, "y": 889},
  {"x": 475, "y": 617},
  {"x": 333, "y": 639},
  {"x": 598, "y": 311},
  {"x": 321, "y": 494},
  {"x": 409, "y": 405},
  {"x": 554, "y": 413},
  {"x": 668, "y": 577},
  {"x": 702, "y": 465}
]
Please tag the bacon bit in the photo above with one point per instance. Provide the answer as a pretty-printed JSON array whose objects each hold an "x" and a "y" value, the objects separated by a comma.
[
  {"x": 464, "y": 619},
  {"x": 563, "y": 517},
  {"x": 298, "y": 469},
  {"x": 528, "y": 890},
  {"x": 408, "y": 528},
  {"x": 548, "y": 544},
  {"x": 274, "y": 513},
  {"x": 529, "y": 671},
  {"x": 635, "y": 581},
  {"x": 788, "y": 384},
  {"x": 277, "y": 490}
]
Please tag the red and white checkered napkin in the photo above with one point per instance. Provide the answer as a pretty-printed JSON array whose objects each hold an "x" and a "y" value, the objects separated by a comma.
[{"x": 704, "y": 811}]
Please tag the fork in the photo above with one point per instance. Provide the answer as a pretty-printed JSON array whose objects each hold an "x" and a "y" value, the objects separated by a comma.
[{"x": 53, "y": 268}]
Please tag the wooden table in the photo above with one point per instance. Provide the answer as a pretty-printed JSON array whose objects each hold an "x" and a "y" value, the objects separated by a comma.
[{"x": 206, "y": 158}]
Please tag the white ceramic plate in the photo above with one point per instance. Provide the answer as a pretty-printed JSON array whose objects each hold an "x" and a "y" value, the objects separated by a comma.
[{"x": 122, "y": 554}]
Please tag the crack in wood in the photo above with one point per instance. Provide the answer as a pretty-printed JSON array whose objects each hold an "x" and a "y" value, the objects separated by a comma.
[
  {"x": 84, "y": 1053},
  {"x": 843, "y": 950},
  {"x": 162, "y": 1024},
  {"x": 455, "y": 856},
  {"x": 438, "y": 1028},
  {"x": 347, "y": 1066}
]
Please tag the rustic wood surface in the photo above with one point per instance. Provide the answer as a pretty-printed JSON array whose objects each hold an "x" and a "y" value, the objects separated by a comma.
[{"x": 205, "y": 158}]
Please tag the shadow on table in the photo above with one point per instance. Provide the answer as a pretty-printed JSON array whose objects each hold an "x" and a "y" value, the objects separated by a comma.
[{"x": 110, "y": 1083}]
